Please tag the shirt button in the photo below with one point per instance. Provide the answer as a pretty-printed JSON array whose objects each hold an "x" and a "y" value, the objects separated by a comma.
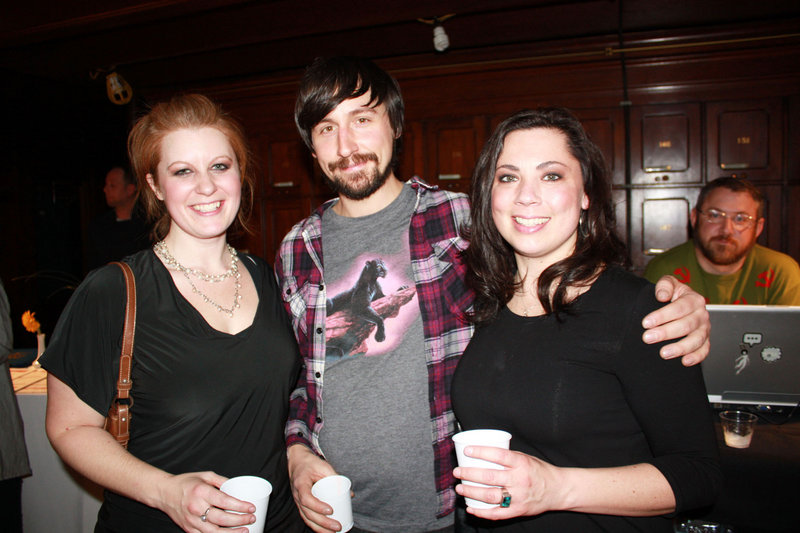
[
  {"x": 289, "y": 292},
  {"x": 319, "y": 331},
  {"x": 322, "y": 286},
  {"x": 319, "y": 420},
  {"x": 318, "y": 374},
  {"x": 299, "y": 433}
]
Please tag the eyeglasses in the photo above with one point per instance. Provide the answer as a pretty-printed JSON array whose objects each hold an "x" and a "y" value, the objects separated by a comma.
[{"x": 741, "y": 221}]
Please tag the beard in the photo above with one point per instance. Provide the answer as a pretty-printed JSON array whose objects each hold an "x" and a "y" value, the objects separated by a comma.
[
  {"x": 359, "y": 185},
  {"x": 723, "y": 250}
]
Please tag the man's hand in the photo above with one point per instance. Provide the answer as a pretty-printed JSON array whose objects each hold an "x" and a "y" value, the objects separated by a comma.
[
  {"x": 305, "y": 469},
  {"x": 685, "y": 317}
]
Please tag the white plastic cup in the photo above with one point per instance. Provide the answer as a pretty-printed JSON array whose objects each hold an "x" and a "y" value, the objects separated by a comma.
[
  {"x": 335, "y": 491},
  {"x": 251, "y": 489},
  {"x": 480, "y": 437},
  {"x": 737, "y": 427}
]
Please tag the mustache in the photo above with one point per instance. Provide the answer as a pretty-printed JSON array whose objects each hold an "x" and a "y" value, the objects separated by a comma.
[
  {"x": 722, "y": 239},
  {"x": 355, "y": 159}
]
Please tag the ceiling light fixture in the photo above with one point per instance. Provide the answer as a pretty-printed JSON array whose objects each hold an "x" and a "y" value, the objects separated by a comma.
[
  {"x": 118, "y": 90},
  {"x": 441, "y": 41}
]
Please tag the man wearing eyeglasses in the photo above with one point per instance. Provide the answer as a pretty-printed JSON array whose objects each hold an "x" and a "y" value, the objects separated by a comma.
[{"x": 722, "y": 261}]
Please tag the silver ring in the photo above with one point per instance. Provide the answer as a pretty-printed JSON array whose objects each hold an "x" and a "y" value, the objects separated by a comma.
[
  {"x": 506, "y": 501},
  {"x": 204, "y": 517}
]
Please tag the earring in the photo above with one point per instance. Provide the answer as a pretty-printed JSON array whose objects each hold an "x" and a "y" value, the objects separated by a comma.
[{"x": 583, "y": 224}]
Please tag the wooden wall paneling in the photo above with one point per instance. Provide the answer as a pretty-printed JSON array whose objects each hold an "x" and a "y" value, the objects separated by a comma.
[
  {"x": 714, "y": 75},
  {"x": 453, "y": 148},
  {"x": 791, "y": 235},
  {"x": 666, "y": 144},
  {"x": 412, "y": 159},
  {"x": 289, "y": 166},
  {"x": 606, "y": 128},
  {"x": 773, "y": 208},
  {"x": 290, "y": 188},
  {"x": 792, "y": 154},
  {"x": 283, "y": 211},
  {"x": 659, "y": 221},
  {"x": 745, "y": 139}
]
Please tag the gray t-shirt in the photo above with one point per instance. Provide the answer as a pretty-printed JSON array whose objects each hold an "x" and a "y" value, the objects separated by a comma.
[{"x": 377, "y": 428}]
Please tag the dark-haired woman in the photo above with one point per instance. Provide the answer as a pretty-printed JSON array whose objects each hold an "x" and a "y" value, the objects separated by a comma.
[{"x": 607, "y": 436}]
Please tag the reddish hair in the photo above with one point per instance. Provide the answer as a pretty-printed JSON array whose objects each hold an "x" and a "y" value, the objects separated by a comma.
[{"x": 190, "y": 111}]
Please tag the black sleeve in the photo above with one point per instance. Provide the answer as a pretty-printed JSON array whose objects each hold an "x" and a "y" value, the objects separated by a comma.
[
  {"x": 669, "y": 401},
  {"x": 85, "y": 347}
]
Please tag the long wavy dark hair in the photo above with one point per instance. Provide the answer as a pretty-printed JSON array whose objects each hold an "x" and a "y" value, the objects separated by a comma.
[{"x": 490, "y": 259}]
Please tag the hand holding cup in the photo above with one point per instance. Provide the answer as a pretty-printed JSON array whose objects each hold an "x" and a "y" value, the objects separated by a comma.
[
  {"x": 479, "y": 437},
  {"x": 251, "y": 489}
]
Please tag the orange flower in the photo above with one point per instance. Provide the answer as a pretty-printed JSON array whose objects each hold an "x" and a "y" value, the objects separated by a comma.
[{"x": 30, "y": 322}]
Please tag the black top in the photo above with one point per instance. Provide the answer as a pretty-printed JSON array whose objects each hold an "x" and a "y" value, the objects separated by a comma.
[
  {"x": 587, "y": 392},
  {"x": 203, "y": 399}
]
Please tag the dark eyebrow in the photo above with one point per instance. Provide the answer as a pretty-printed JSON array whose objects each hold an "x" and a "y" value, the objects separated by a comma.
[
  {"x": 540, "y": 166},
  {"x": 545, "y": 164}
]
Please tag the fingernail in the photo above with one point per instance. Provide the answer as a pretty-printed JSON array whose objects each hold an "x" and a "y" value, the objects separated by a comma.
[
  {"x": 649, "y": 336},
  {"x": 667, "y": 353}
]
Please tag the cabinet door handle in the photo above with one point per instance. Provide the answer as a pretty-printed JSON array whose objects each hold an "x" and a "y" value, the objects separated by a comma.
[{"x": 734, "y": 166}]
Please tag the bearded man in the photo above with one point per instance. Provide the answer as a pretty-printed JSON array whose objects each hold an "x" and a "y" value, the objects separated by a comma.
[{"x": 722, "y": 261}]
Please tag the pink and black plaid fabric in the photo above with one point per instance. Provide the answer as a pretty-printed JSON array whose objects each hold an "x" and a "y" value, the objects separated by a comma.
[{"x": 435, "y": 247}]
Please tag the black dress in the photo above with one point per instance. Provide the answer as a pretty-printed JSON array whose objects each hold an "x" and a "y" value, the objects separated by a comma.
[
  {"x": 587, "y": 392},
  {"x": 203, "y": 399}
]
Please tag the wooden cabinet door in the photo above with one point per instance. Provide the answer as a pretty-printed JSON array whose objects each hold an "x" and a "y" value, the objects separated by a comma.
[
  {"x": 453, "y": 148},
  {"x": 744, "y": 139},
  {"x": 606, "y": 128},
  {"x": 284, "y": 194},
  {"x": 282, "y": 212},
  {"x": 659, "y": 221},
  {"x": 288, "y": 166},
  {"x": 666, "y": 146}
]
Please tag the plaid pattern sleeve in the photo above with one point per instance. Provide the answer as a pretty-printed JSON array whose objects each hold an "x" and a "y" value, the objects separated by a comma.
[
  {"x": 298, "y": 268},
  {"x": 436, "y": 247}
]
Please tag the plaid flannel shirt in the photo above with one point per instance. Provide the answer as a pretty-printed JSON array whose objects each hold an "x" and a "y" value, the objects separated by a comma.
[{"x": 435, "y": 247}]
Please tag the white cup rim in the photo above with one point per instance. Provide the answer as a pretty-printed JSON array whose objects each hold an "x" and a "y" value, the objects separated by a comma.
[
  {"x": 461, "y": 436},
  {"x": 331, "y": 480},
  {"x": 259, "y": 483}
]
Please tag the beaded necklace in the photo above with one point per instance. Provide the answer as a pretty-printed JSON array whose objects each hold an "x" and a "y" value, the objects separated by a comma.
[{"x": 160, "y": 248}]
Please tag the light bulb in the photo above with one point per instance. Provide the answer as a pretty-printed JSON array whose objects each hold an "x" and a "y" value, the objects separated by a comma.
[
  {"x": 118, "y": 90},
  {"x": 440, "y": 39}
]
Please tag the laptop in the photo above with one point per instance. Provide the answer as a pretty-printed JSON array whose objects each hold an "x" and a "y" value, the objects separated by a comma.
[{"x": 755, "y": 355}]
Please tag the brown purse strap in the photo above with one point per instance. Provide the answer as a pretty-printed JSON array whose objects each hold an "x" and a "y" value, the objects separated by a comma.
[{"x": 124, "y": 383}]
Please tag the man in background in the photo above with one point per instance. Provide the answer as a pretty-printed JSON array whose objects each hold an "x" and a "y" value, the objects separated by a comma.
[
  {"x": 122, "y": 230},
  {"x": 13, "y": 453},
  {"x": 722, "y": 261}
]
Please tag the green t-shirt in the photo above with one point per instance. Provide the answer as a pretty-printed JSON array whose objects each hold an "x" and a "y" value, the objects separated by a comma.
[{"x": 768, "y": 277}]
